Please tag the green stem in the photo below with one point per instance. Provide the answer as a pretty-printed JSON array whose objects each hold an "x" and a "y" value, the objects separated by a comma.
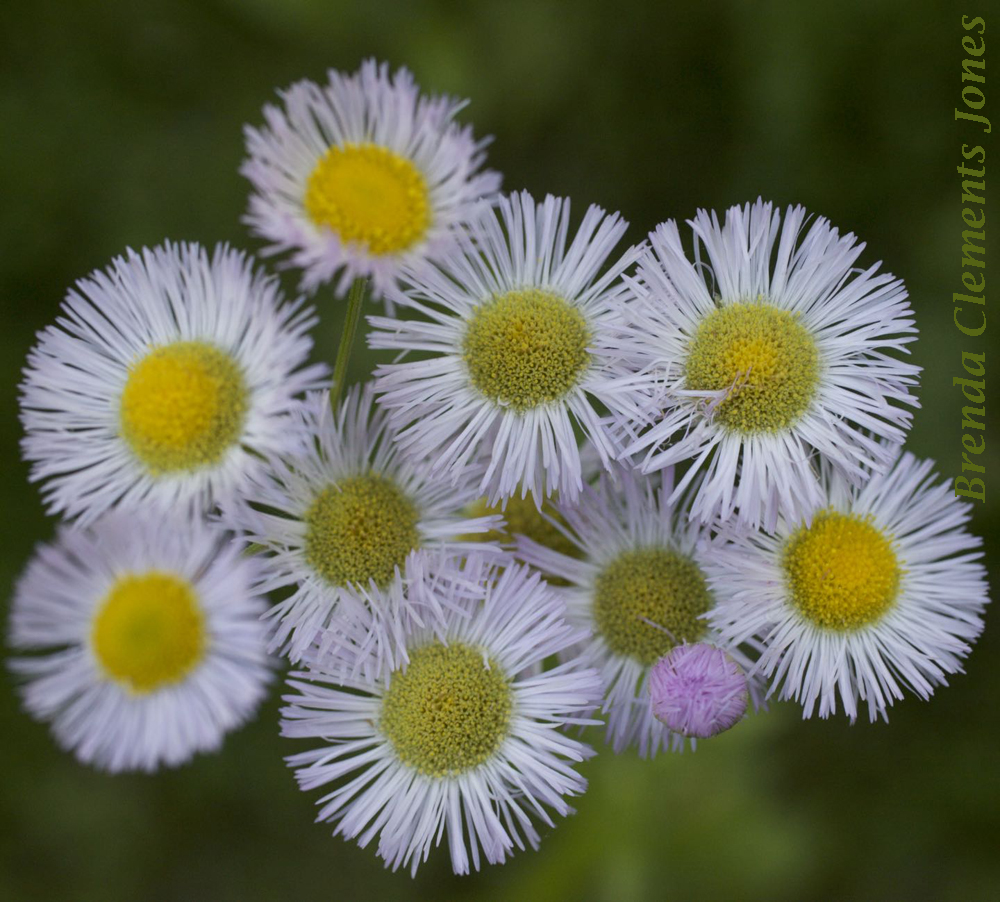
[{"x": 355, "y": 299}]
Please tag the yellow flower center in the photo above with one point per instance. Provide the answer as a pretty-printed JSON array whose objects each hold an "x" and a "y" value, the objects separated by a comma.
[
  {"x": 149, "y": 631},
  {"x": 645, "y": 587},
  {"x": 525, "y": 348},
  {"x": 449, "y": 711},
  {"x": 764, "y": 359},
  {"x": 360, "y": 529},
  {"x": 183, "y": 406},
  {"x": 842, "y": 571},
  {"x": 370, "y": 196}
]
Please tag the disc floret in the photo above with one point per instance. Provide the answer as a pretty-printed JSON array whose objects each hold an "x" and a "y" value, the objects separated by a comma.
[
  {"x": 149, "y": 631},
  {"x": 448, "y": 711},
  {"x": 647, "y": 600},
  {"x": 763, "y": 358},
  {"x": 360, "y": 529},
  {"x": 369, "y": 195},
  {"x": 183, "y": 406},
  {"x": 526, "y": 347},
  {"x": 842, "y": 571}
]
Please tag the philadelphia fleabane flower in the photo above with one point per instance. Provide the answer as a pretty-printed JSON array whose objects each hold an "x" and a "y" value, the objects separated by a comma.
[
  {"x": 142, "y": 640},
  {"x": 774, "y": 350},
  {"x": 344, "y": 521},
  {"x": 462, "y": 741},
  {"x": 163, "y": 380},
  {"x": 520, "y": 326},
  {"x": 877, "y": 589},
  {"x": 361, "y": 175},
  {"x": 638, "y": 587}
]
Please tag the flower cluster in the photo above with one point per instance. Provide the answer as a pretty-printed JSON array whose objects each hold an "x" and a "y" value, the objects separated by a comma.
[{"x": 643, "y": 487}]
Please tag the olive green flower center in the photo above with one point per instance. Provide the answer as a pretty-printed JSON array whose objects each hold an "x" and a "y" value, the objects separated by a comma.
[
  {"x": 360, "y": 529},
  {"x": 449, "y": 711},
  {"x": 526, "y": 348},
  {"x": 643, "y": 590}
]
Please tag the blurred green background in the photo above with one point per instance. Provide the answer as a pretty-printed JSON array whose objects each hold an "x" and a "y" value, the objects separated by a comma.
[{"x": 121, "y": 126}]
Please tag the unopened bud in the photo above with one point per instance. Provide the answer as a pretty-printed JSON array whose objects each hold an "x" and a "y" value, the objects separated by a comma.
[{"x": 698, "y": 690}]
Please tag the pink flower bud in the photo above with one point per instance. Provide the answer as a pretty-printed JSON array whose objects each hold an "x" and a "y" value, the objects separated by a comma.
[{"x": 698, "y": 690}]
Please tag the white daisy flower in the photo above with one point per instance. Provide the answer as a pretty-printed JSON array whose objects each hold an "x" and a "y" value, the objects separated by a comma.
[
  {"x": 874, "y": 590},
  {"x": 345, "y": 521},
  {"x": 522, "y": 330},
  {"x": 773, "y": 350},
  {"x": 146, "y": 641},
  {"x": 464, "y": 740},
  {"x": 638, "y": 586},
  {"x": 162, "y": 382},
  {"x": 362, "y": 175}
]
